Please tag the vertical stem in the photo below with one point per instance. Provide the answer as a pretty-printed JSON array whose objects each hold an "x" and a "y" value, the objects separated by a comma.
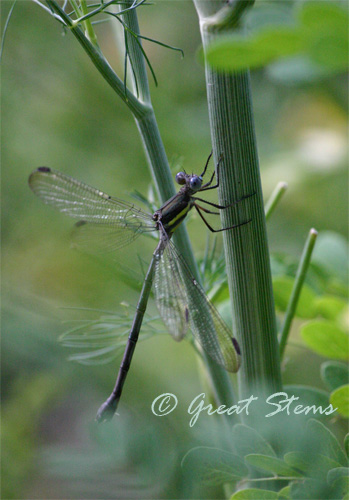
[
  {"x": 297, "y": 288},
  {"x": 246, "y": 248},
  {"x": 89, "y": 31},
  {"x": 138, "y": 63}
]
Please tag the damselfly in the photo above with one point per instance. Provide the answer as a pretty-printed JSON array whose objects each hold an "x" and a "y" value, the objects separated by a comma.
[{"x": 180, "y": 299}]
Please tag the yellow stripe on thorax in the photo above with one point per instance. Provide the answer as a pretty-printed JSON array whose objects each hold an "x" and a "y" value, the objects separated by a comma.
[{"x": 179, "y": 216}]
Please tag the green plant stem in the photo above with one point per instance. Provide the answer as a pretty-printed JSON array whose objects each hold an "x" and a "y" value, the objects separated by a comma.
[
  {"x": 246, "y": 248},
  {"x": 139, "y": 73},
  {"x": 88, "y": 26},
  {"x": 274, "y": 199},
  {"x": 157, "y": 160},
  {"x": 297, "y": 288},
  {"x": 137, "y": 108}
]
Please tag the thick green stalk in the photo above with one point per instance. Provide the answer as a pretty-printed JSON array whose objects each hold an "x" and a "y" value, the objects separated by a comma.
[{"x": 246, "y": 248}]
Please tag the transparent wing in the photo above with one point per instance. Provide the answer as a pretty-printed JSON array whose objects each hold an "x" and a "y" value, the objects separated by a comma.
[
  {"x": 81, "y": 201},
  {"x": 104, "y": 238},
  {"x": 170, "y": 296},
  {"x": 203, "y": 318}
]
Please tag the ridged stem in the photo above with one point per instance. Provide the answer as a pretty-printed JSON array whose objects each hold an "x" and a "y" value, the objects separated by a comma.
[{"x": 246, "y": 247}]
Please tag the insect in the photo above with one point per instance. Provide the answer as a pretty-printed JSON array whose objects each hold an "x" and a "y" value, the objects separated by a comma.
[{"x": 180, "y": 299}]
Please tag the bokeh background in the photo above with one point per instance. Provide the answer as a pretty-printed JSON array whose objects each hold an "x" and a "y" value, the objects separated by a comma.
[{"x": 57, "y": 111}]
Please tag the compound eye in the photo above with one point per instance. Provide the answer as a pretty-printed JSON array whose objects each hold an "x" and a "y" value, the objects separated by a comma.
[
  {"x": 195, "y": 183},
  {"x": 180, "y": 178}
]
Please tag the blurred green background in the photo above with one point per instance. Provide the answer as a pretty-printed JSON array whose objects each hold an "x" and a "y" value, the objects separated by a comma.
[{"x": 57, "y": 111}]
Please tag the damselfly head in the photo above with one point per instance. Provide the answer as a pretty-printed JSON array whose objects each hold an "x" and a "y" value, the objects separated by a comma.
[{"x": 195, "y": 182}]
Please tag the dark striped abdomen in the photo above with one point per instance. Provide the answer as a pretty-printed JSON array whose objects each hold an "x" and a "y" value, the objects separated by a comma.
[{"x": 174, "y": 212}]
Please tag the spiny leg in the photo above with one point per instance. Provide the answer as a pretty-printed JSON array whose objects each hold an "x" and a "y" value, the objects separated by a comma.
[
  {"x": 207, "y": 162},
  {"x": 206, "y": 210},
  {"x": 206, "y": 187},
  {"x": 223, "y": 228},
  {"x": 223, "y": 207}
]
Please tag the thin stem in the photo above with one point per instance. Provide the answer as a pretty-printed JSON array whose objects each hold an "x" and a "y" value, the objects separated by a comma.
[
  {"x": 297, "y": 288},
  {"x": 136, "y": 55},
  {"x": 275, "y": 198},
  {"x": 137, "y": 108},
  {"x": 49, "y": 11},
  {"x": 90, "y": 33},
  {"x": 5, "y": 29},
  {"x": 76, "y": 7},
  {"x": 274, "y": 478},
  {"x": 102, "y": 7}
]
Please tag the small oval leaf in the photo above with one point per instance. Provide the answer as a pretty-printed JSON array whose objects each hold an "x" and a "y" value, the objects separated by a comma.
[
  {"x": 326, "y": 338},
  {"x": 340, "y": 400},
  {"x": 254, "y": 494},
  {"x": 247, "y": 440},
  {"x": 334, "y": 374},
  {"x": 214, "y": 466},
  {"x": 313, "y": 465},
  {"x": 271, "y": 464},
  {"x": 325, "y": 442}
]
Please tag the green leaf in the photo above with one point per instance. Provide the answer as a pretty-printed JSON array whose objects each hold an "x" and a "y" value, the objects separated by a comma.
[
  {"x": 282, "y": 292},
  {"x": 284, "y": 493},
  {"x": 330, "y": 50},
  {"x": 313, "y": 465},
  {"x": 336, "y": 473},
  {"x": 340, "y": 400},
  {"x": 324, "y": 16},
  {"x": 309, "y": 489},
  {"x": 214, "y": 466},
  {"x": 324, "y": 27},
  {"x": 255, "y": 494},
  {"x": 329, "y": 306},
  {"x": 331, "y": 251},
  {"x": 326, "y": 338},
  {"x": 321, "y": 35},
  {"x": 326, "y": 443},
  {"x": 334, "y": 374},
  {"x": 235, "y": 53},
  {"x": 339, "y": 479},
  {"x": 248, "y": 441},
  {"x": 315, "y": 402},
  {"x": 271, "y": 464}
]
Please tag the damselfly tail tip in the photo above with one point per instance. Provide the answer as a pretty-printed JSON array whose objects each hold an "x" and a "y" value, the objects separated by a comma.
[
  {"x": 105, "y": 413},
  {"x": 236, "y": 345}
]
